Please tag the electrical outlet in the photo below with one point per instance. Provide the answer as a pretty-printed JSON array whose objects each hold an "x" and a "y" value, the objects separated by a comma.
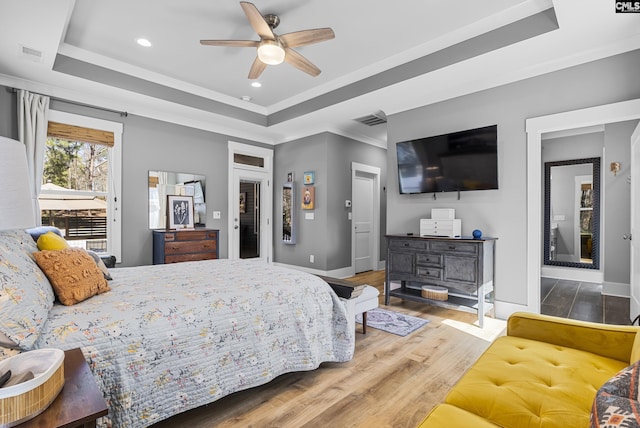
[
  {"x": 312, "y": 258},
  {"x": 216, "y": 215}
]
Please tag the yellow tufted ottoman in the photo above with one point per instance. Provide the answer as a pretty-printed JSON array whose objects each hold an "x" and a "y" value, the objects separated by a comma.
[{"x": 544, "y": 373}]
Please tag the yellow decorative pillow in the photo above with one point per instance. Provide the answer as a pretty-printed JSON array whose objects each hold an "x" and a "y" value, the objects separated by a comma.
[
  {"x": 51, "y": 241},
  {"x": 72, "y": 273}
]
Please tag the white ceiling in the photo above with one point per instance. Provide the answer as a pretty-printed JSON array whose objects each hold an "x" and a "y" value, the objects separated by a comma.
[{"x": 372, "y": 36}]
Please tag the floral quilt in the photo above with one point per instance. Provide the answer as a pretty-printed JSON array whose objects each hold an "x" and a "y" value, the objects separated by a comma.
[{"x": 169, "y": 338}]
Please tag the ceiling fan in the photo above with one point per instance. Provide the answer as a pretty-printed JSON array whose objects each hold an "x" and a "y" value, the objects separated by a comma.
[{"x": 273, "y": 49}]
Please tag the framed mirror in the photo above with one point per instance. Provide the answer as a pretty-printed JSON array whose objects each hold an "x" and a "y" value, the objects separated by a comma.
[
  {"x": 572, "y": 213},
  {"x": 288, "y": 213},
  {"x": 165, "y": 183}
]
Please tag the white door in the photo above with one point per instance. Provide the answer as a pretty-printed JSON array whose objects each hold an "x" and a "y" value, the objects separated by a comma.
[
  {"x": 255, "y": 165},
  {"x": 363, "y": 212},
  {"x": 635, "y": 225},
  {"x": 262, "y": 218}
]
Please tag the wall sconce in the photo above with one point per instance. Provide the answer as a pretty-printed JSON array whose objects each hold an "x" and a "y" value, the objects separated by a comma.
[{"x": 615, "y": 167}]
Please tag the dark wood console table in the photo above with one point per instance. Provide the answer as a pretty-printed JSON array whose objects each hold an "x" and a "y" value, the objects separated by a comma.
[{"x": 463, "y": 265}]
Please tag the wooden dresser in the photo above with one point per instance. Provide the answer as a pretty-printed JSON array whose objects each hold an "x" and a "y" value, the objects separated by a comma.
[{"x": 174, "y": 246}]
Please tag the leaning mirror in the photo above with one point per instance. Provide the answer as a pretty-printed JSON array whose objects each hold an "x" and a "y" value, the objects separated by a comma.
[
  {"x": 288, "y": 214},
  {"x": 165, "y": 183},
  {"x": 572, "y": 213}
]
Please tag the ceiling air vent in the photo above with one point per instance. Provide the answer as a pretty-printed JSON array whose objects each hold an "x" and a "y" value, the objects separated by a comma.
[
  {"x": 31, "y": 54},
  {"x": 373, "y": 119}
]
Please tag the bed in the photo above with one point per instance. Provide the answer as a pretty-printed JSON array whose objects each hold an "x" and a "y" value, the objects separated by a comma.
[{"x": 169, "y": 338}]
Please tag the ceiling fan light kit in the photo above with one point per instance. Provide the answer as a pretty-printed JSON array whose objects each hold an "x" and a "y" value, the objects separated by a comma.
[
  {"x": 271, "y": 52},
  {"x": 274, "y": 49}
]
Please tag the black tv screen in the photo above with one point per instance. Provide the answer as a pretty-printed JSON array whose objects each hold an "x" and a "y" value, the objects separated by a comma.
[{"x": 465, "y": 160}]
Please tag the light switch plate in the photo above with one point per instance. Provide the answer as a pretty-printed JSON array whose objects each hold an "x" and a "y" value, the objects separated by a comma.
[{"x": 309, "y": 216}]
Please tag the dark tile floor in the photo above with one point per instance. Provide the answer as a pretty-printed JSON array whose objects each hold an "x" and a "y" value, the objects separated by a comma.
[{"x": 582, "y": 301}]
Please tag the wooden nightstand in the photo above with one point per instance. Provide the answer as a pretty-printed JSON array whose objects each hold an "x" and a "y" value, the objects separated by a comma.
[{"x": 79, "y": 403}]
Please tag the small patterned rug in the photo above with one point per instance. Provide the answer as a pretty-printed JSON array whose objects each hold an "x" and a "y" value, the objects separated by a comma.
[{"x": 392, "y": 322}]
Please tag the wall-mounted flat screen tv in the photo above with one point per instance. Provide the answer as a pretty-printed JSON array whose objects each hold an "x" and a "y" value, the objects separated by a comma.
[{"x": 464, "y": 160}]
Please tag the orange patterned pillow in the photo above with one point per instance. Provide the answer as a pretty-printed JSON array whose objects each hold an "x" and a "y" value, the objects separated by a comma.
[{"x": 73, "y": 274}]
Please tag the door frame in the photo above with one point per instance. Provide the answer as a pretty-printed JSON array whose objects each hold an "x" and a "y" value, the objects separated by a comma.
[
  {"x": 535, "y": 127},
  {"x": 375, "y": 229},
  {"x": 634, "y": 265},
  {"x": 251, "y": 173}
]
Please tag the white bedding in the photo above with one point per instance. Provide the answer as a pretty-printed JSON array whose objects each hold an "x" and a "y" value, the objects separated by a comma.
[{"x": 169, "y": 338}]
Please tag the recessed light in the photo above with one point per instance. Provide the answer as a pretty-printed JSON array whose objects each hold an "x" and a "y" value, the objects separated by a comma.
[
  {"x": 144, "y": 42},
  {"x": 256, "y": 84}
]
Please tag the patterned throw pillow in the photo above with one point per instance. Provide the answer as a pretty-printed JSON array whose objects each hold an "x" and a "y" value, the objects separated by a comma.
[
  {"x": 25, "y": 293},
  {"x": 616, "y": 403},
  {"x": 73, "y": 274}
]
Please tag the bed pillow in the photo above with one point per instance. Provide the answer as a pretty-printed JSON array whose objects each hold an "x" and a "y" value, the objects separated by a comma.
[
  {"x": 73, "y": 274},
  {"x": 25, "y": 293},
  {"x": 52, "y": 241},
  {"x": 96, "y": 258},
  {"x": 35, "y": 232}
]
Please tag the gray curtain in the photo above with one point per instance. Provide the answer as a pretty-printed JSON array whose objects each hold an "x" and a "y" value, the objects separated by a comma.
[{"x": 33, "y": 117}]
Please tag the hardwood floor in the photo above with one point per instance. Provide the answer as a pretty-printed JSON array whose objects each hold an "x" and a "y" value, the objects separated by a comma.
[{"x": 392, "y": 381}]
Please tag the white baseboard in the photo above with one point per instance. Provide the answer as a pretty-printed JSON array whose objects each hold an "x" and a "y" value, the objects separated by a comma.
[
  {"x": 587, "y": 275},
  {"x": 340, "y": 273},
  {"x": 503, "y": 310},
  {"x": 616, "y": 289},
  {"x": 336, "y": 273}
]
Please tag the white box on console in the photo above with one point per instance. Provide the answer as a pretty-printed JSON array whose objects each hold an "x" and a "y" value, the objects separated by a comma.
[
  {"x": 443, "y": 213},
  {"x": 448, "y": 228}
]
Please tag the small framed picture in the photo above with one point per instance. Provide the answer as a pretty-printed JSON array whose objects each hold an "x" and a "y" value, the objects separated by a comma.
[
  {"x": 308, "y": 197},
  {"x": 309, "y": 177},
  {"x": 290, "y": 177},
  {"x": 243, "y": 202},
  {"x": 179, "y": 212}
]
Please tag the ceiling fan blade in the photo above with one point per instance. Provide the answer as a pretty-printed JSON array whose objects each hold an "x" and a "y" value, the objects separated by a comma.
[
  {"x": 300, "y": 62},
  {"x": 233, "y": 43},
  {"x": 257, "y": 68},
  {"x": 307, "y": 37},
  {"x": 257, "y": 21}
]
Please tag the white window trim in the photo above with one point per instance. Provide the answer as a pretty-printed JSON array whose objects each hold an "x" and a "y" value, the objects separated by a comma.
[{"x": 114, "y": 213}]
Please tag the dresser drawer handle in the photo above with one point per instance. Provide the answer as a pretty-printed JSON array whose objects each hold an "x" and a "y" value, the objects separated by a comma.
[{"x": 452, "y": 247}]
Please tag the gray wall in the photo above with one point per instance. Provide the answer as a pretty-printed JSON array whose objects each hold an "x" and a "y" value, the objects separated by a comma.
[
  {"x": 616, "y": 202},
  {"x": 328, "y": 236},
  {"x": 502, "y": 213},
  {"x": 149, "y": 144}
]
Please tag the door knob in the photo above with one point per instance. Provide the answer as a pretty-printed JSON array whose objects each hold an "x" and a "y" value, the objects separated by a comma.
[
  {"x": 625, "y": 237},
  {"x": 235, "y": 227}
]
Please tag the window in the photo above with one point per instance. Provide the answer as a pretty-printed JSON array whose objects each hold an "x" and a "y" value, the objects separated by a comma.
[{"x": 81, "y": 181}]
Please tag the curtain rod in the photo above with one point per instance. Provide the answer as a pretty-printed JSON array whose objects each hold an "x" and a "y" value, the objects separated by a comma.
[{"x": 121, "y": 113}]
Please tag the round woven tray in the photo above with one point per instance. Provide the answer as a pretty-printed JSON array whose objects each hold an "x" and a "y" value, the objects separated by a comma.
[{"x": 435, "y": 292}]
